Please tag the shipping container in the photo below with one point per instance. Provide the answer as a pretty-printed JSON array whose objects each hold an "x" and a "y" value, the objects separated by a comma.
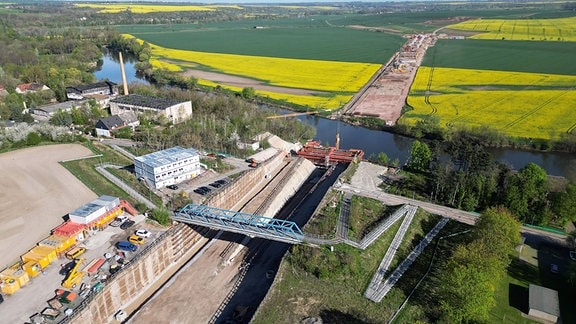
[
  {"x": 32, "y": 268},
  {"x": 10, "y": 286},
  {"x": 47, "y": 251},
  {"x": 16, "y": 273}
]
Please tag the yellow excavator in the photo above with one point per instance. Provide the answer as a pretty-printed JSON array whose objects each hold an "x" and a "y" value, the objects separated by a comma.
[{"x": 74, "y": 277}]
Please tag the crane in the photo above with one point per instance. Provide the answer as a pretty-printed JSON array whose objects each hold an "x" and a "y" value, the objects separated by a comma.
[{"x": 74, "y": 277}]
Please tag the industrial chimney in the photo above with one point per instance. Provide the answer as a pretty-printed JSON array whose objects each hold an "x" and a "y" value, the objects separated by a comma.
[{"x": 123, "y": 73}]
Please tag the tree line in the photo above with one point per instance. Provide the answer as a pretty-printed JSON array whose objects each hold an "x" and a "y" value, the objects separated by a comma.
[{"x": 461, "y": 173}]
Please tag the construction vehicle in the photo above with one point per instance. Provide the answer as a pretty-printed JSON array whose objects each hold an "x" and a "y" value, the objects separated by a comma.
[{"x": 74, "y": 277}]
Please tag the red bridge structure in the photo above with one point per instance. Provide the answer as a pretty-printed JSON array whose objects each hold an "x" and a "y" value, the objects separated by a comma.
[{"x": 323, "y": 155}]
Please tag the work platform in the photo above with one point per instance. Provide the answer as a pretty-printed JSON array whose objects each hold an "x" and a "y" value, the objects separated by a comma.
[{"x": 237, "y": 222}]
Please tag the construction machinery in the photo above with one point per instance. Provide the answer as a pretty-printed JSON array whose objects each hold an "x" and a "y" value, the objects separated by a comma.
[{"x": 74, "y": 277}]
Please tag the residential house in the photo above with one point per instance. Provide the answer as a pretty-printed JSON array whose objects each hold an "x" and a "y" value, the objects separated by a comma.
[
  {"x": 106, "y": 126},
  {"x": 30, "y": 88}
]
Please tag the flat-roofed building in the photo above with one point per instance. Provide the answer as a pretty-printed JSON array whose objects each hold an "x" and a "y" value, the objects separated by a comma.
[
  {"x": 543, "y": 303},
  {"x": 93, "y": 210},
  {"x": 86, "y": 90},
  {"x": 174, "y": 110},
  {"x": 168, "y": 167}
]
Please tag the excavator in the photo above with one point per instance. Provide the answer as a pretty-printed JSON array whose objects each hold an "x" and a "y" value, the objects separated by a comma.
[{"x": 74, "y": 277}]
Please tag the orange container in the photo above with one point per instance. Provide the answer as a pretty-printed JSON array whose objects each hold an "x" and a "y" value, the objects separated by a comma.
[
  {"x": 32, "y": 268},
  {"x": 46, "y": 251},
  {"x": 42, "y": 260},
  {"x": 10, "y": 286},
  {"x": 16, "y": 273},
  {"x": 59, "y": 242}
]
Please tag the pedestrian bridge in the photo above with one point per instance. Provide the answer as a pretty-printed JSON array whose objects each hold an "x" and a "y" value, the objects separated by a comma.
[{"x": 237, "y": 222}]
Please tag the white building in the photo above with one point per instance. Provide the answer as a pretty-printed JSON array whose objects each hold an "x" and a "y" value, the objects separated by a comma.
[
  {"x": 174, "y": 110},
  {"x": 168, "y": 167},
  {"x": 93, "y": 210}
]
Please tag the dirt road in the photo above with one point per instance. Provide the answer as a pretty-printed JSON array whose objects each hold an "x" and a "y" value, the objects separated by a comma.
[{"x": 36, "y": 192}]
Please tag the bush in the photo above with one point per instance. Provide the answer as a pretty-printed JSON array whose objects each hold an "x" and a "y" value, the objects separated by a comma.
[{"x": 162, "y": 216}]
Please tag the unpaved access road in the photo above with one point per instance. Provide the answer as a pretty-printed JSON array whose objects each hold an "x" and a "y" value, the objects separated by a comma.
[{"x": 36, "y": 192}]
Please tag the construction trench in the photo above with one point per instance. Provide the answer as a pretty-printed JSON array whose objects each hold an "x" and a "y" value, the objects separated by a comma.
[{"x": 204, "y": 285}]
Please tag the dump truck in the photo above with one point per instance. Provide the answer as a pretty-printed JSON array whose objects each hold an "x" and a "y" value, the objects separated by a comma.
[{"x": 74, "y": 277}]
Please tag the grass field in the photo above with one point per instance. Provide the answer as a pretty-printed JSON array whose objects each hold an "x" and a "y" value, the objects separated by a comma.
[
  {"x": 560, "y": 29},
  {"x": 519, "y": 104},
  {"x": 294, "y": 39},
  {"x": 518, "y": 56},
  {"x": 336, "y": 294}
]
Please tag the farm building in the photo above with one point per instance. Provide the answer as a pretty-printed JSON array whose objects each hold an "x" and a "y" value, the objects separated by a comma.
[
  {"x": 49, "y": 110},
  {"x": 105, "y": 126},
  {"x": 167, "y": 167},
  {"x": 174, "y": 110},
  {"x": 86, "y": 90},
  {"x": 543, "y": 303}
]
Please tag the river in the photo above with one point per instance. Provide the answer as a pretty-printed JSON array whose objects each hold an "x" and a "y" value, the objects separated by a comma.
[{"x": 373, "y": 141}]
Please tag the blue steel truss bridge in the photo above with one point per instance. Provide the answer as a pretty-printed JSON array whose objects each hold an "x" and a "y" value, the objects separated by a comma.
[{"x": 243, "y": 223}]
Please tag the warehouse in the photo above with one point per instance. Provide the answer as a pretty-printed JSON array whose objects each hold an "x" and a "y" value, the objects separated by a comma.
[
  {"x": 168, "y": 167},
  {"x": 175, "y": 111}
]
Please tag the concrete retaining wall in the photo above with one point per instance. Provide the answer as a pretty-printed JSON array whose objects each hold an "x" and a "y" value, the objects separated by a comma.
[
  {"x": 244, "y": 184},
  {"x": 300, "y": 172},
  {"x": 167, "y": 253}
]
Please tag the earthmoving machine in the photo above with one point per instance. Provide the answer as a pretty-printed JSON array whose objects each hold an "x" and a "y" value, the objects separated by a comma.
[{"x": 74, "y": 277}]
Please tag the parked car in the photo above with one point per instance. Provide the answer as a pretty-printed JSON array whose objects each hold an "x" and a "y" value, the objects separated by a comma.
[
  {"x": 173, "y": 187},
  {"x": 126, "y": 246},
  {"x": 143, "y": 233},
  {"x": 216, "y": 185},
  {"x": 222, "y": 181},
  {"x": 119, "y": 220},
  {"x": 136, "y": 239},
  {"x": 554, "y": 268},
  {"x": 127, "y": 224}
]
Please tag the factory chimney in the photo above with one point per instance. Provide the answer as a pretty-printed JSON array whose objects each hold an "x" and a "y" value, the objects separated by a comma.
[{"x": 123, "y": 73}]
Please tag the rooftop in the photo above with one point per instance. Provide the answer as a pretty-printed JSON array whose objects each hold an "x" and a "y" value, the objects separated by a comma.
[
  {"x": 145, "y": 101},
  {"x": 544, "y": 299},
  {"x": 167, "y": 156},
  {"x": 97, "y": 85}
]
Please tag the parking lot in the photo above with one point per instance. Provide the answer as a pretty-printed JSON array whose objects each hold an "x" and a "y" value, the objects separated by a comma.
[{"x": 100, "y": 245}]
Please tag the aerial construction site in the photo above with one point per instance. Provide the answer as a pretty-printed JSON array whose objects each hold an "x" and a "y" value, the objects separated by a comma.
[{"x": 385, "y": 94}]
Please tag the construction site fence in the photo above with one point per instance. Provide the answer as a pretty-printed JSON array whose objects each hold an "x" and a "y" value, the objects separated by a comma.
[{"x": 546, "y": 229}]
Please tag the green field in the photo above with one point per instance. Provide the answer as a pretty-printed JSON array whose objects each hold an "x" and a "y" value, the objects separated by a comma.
[
  {"x": 317, "y": 42},
  {"x": 495, "y": 55}
]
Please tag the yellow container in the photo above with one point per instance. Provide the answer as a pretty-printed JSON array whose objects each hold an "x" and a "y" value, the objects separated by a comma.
[
  {"x": 10, "y": 286},
  {"x": 15, "y": 272},
  {"x": 42, "y": 260},
  {"x": 47, "y": 251},
  {"x": 60, "y": 243},
  {"x": 32, "y": 268}
]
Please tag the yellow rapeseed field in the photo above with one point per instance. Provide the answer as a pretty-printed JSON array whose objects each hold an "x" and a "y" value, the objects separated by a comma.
[
  {"x": 519, "y": 104},
  {"x": 147, "y": 8},
  {"x": 559, "y": 29},
  {"x": 337, "y": 80}
]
